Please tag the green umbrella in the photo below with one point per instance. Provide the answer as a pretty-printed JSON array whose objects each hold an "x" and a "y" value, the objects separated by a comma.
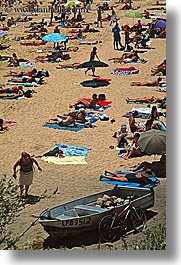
[{"x": 134, "y": 15}]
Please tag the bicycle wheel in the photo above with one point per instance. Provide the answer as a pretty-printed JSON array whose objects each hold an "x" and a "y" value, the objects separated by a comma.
[
  {"x": 107, "y": 230},
  {"x": 138, "y": 219}
]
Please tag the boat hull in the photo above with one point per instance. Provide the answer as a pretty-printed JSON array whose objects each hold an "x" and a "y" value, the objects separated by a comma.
[{"x": 82, "y": 215}]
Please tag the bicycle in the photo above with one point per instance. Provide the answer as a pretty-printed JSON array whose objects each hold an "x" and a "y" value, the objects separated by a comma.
[{"x": 111, "y": 226}]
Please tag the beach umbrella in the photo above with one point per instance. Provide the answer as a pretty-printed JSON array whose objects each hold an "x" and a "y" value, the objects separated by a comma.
[
  {"x": 55, "y": 37},
  {"x": 153, "y": 142},
  {"x": 73, "y": 3},
  {"x": 134, "y": 15},
  {"x": 93, "y": 64},
  {"x": 94, "y": 83},
  {"x": 160, "y": 24}
]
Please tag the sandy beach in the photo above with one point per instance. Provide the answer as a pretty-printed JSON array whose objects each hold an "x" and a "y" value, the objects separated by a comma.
[{"x": 62, "y": 88}]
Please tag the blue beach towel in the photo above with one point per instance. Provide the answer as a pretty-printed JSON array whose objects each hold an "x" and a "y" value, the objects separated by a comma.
[
  {"x": 73, "y": 150},
  {"x": 130, "y": 184}
]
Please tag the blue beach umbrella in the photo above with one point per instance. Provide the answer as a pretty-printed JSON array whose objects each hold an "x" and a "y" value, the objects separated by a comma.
[{"x": 55, "y": 37}]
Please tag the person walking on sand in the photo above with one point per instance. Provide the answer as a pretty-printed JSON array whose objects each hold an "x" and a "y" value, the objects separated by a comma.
[
  {"x": 26, "y": 171},
  {"x": 99, "y": 17},
  {"x": 93, "y": 55}
]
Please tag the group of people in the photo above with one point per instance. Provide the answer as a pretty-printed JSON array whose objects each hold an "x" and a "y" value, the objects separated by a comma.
[{"x": 26, "y": 162}]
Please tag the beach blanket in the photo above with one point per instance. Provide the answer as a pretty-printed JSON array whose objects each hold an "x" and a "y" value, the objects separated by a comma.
[
  {"x": 125, "y": 71},
  {"x": 141, "y": 102},
  {"x": 138, "y": 60},
  {"x": 90, "y": 42},
  {"x": 102, "y": 103},
  {"x": 26, "y": 64},
  {"x": 8, "y": 124},
  {"x": 142, "y": 112},
  {"x": 155, "y": 180},
  {"x": 91, "y": 117},
  {"x": 72, "y": 155},
  {"x": 22, "y": 84}
]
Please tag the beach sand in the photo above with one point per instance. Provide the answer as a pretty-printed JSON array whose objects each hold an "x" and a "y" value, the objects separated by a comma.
[{"x": 61, "y": 89}]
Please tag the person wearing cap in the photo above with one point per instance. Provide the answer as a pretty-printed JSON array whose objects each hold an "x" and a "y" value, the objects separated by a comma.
[
  {"x": 133, "y": 149},
  {"x": 145, "y": 177},
  {"x": 121, "y": 136}
]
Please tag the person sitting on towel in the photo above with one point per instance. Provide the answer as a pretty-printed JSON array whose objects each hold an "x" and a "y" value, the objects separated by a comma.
[{"x": 92, "y": 104}]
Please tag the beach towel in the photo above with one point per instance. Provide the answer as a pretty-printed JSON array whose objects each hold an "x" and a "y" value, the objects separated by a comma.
[
  {"x": 72, "y": 155},
  {"x": 102, "y": 103},
  {"x": 94, "y": 83},
  {"x": 90, "y": 42},
  {"x": 125, "y": 71},
  {"x": 26, "y": 64},
  {"x": 142, "y": 113},
  {"x": 91, "y": 117},
  {"x": 7, "y": 96},
  {"x": 8, "y": 124},
  {"x": 155, "y": 180}
]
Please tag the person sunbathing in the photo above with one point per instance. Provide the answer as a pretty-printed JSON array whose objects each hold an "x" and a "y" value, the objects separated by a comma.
[
  {"x": 133, "y": 149},
  {"x": 147, "y": 83},
  {"x": 64, "y": 66},
  {"x": 161, "y": 68},
  {"x": 78, "y": 115},
  {"x": 76, "y": 35},
  {"x": 158, "y": 167},
  {"x": 127, "y": 55},
  {"x": 19, "y": 74},
  {"x": 23, "y": 80},
  {"x": 49, "y": 58},
  {"x": 13, "y": 89},
  {"x": 92, "y": 104},
  {"x": 143, "y": 178},
  {"x": 69, "y": 120},
  {"x": 84, "y": 29},
  {"x": 151, "y": 99}
]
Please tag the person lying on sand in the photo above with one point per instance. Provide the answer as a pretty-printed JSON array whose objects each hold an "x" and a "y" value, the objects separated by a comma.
[
  {"x": 30, "y": 79},
  {"x": 92, "y": 104},
  {"x": 64, "y": 66},
  {"x": 158, "y": 167},
  {"x": 19, "y": 74},
  {"x": 161, "y": 68},
  {"x": 51, "y": 57},
  {"x": 142, "y": 178},
  {"x": 13, "y": 89},
  {"x": 127, "y": 55},
  {"x": 78, "y": 115},
  {"x": 151, "y": 99},
  {"x": 147, "y": 83},
  {"x": 69, "y": 120}
]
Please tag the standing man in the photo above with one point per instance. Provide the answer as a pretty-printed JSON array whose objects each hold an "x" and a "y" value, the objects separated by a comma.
[
  {"x": 116, "y": 35},
  {"x": 93, "y": 55},
  {"x": 99, "y": 16}
]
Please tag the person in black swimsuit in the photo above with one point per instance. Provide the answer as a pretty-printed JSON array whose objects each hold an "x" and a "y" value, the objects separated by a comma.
[
  {"x": 25, "y": 163},
  {"x": 143, "y": 178}
]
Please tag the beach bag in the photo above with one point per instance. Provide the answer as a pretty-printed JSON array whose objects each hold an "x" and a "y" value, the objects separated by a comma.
[
  {"x": 28, "y": 93},
  {"x": 102, "y": 97},
  {"x": 55, "y": 152}
]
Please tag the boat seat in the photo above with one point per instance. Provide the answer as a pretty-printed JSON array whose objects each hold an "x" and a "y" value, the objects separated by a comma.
[{"x": 90, "y": 208}]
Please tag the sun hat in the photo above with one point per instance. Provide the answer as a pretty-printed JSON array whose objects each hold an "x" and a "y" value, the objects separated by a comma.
[{"x": 148, "y": 173}]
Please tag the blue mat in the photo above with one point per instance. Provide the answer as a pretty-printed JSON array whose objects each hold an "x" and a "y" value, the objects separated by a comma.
[
  {"x": 73, "y": 150},
  {"x": 140, "y": 115},
  {"x": 69, "y": 128},
  {"x": 130, "y": 184}
]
